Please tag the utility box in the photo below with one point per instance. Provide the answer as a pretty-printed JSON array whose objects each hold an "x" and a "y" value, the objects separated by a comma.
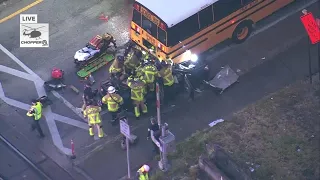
[{"x": 168, "y": 142}]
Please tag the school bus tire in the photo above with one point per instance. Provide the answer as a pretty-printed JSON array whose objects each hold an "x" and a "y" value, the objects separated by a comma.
[{"x": 242, "y": 32}]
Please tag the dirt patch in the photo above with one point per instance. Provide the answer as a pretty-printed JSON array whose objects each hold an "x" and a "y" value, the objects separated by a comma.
[{"x": 277, "y": 137}]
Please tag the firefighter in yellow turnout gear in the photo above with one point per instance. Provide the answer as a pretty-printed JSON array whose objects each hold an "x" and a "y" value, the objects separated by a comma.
[
  {"x": 168, "y": 79},
  {"x": 133, "y": 61},
  {"x": 137, "y": 87},
  {"x": 108, "y": 39},
  {"x": 117, "y": 68},
  {"x": 114, "y": 101},
  {"x": 92, "y": 112},
  {"x": 150, "y": 72},
  {"x": 143, "y": 172}
]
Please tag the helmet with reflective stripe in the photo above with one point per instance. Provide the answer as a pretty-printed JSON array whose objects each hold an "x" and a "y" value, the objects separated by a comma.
[
  {"x": 145, "y": 168},
  {"x": 111, "y": 89}
]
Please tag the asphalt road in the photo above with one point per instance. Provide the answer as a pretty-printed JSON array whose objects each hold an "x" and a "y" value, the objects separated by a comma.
[
  {"x": 12, "y": 165},
  {"x": 73, "y": 23}
]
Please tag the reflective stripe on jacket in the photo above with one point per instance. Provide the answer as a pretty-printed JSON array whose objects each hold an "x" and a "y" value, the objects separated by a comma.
[
  {"x": 143, "y": 176},
  {"x": 150, "y": 71},
  {"x": 93, "y": 114},
  {"x": 38, "y": 111},
  {"x": 137, "y": 89},
  {"x": 166, "y": 74},
  {"x": 115, "y": 68},
  {"x": 132, "y": 62},
  {"x": 113, "y": 101}
]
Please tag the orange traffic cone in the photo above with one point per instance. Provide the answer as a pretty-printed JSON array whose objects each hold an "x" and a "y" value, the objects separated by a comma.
[{"x": 103, "y": 17}]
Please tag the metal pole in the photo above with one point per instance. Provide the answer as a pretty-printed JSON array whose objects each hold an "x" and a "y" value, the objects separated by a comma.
[
  {"x": 159, "y": 116},
  {"x": 319, "y": 58},
  {"x": 309, "y": 59},
  {"x": 128, "y": 156},
  {"x": 164, "y": 153},
  {"x": 319, "y": 45},
  {"x": 158, "y": 104}
]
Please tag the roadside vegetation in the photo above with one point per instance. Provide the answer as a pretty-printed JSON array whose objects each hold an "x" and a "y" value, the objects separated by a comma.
[{"x": 277, "y": 137}]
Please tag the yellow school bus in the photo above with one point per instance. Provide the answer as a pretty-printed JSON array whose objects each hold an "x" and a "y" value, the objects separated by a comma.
[{"x": 182, "y": 29}]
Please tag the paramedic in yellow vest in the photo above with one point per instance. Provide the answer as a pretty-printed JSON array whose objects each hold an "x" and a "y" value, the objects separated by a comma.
[
  {"x": 150, "y": 72},
  {"x": 36, "y": 112},
  {"x": 133, "y": 62},
  {"x": 92, "y": 113},
  {"x": 113, "y": 101},
  {"x": 168, "y": 80},
  {"x": 137, "y": 87},
  {"x": 117, "y": 68},
  {"x": 143, "y": 172}
]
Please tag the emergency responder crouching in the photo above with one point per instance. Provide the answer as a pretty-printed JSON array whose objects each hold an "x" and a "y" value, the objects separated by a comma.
[
  {"x": 156, "y": 133},
  {"x": 117, "y": 68},
  {"x": 133, "y": 62},
  {"x": 114, "y": 102},
  {"x": 92, "y": 113},
  {"x": 137, "y": 87},
  {"x": 108, "y": 39},
  {"x": 168, "y": 80},
  {"x": 150, "y": 72},
  {"x": 143, "y": 172},
  {"x": 36, "y": 112}
]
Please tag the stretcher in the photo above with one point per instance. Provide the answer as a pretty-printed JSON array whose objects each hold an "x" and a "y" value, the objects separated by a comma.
[{"x": 94, "y": 65}]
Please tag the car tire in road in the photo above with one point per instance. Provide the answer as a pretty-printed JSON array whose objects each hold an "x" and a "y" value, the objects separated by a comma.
[{"x": 242, "y": 31}]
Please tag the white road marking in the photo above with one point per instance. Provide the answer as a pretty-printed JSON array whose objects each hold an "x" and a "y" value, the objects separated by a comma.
[
  {"x": 57, "y": 141},
  {"x": 15, "y": 59},
  {"x": 13, "y": 102},
  {"x": 15, "y": 72},
  {"x": 68, "y": 104},
  {"x": 47, "y": 112},
  {"x": 70, "y": 121},
  {"x": 50, "y": 117}
]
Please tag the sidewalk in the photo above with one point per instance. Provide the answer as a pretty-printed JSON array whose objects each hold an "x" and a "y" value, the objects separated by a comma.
[{"x": 34, "y": 148}]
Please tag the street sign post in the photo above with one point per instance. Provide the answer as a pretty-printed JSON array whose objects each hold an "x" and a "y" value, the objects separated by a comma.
[
  {"x": 125, "y": 130},
  {"x": 318, "y": 23},
  {"x": 313, "y": 31}
]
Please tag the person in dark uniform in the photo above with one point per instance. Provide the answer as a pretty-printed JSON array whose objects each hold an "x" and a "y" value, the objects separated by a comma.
[
  {"x": 88, "y": 95},
  {"x": 156, "y": 132},
  {"x": 88, "y": 92}
]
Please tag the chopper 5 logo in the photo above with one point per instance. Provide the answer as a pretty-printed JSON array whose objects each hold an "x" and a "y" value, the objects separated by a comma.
[{"x": 33, "y": 34}]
